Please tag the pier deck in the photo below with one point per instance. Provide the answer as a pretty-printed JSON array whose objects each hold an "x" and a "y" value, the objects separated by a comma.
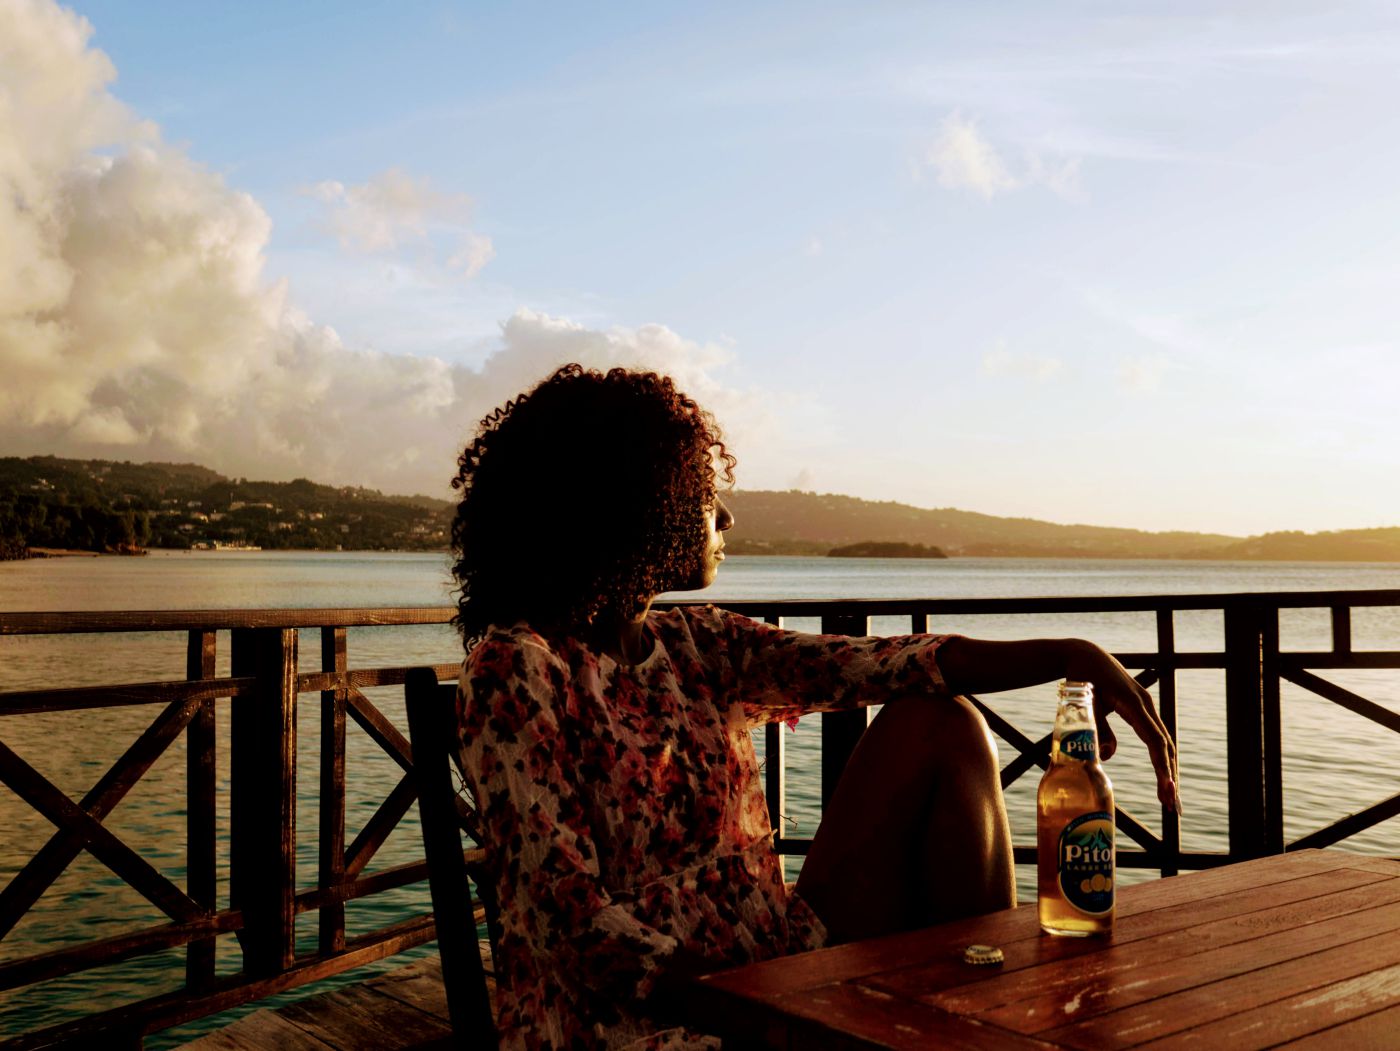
[{"x": 404, "y": 1008}]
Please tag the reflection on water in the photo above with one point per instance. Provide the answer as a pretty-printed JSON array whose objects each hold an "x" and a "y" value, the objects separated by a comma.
[{"x": 1334, "y": 762}]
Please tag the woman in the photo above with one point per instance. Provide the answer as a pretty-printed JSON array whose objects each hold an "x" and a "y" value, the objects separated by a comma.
[{"x": 608, "y": 746}]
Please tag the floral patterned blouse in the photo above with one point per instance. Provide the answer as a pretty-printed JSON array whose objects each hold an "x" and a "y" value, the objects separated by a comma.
[{"x": 623, "y": 810}]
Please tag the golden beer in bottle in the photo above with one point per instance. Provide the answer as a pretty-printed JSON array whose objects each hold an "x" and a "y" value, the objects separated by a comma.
[{"x": 1074, "y": 823}]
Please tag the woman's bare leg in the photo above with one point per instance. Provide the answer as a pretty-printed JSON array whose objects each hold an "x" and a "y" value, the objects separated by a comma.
[{"x": 916, "y": 832}]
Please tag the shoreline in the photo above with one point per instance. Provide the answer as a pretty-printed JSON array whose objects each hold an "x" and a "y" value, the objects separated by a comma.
[{"x": 59, "y": 552}]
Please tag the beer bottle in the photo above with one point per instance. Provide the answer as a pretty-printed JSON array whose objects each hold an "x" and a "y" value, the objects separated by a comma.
[{"x": 1074, "y": 823}]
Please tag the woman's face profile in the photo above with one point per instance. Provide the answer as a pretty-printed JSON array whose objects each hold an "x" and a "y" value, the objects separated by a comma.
[{"x": 717, "y": 519}]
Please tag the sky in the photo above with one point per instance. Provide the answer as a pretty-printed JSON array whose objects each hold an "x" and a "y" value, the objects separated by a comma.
[{"x": 1112, "y": 263}]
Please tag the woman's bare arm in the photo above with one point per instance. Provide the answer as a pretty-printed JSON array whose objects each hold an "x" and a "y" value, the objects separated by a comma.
[{"x": 980, "y": 666}]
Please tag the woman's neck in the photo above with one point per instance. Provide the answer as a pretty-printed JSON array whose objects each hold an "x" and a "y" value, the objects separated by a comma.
[{"x": 621, "y": 637}]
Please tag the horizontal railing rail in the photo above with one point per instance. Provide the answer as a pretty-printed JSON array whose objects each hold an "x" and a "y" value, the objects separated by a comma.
[{"x": 265, "y": 683}]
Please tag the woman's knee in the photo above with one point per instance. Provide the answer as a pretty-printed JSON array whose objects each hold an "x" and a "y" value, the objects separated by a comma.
[
  {"x": 971, "y": 727},
  {"x": 952, "y": 726}
]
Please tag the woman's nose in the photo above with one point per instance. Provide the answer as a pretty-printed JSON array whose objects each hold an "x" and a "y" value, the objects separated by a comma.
[{"x": 724, "y": 518}]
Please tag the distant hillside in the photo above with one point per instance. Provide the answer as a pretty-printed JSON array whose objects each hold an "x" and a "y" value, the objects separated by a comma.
[
  {"x": 793, "y": 522},
  {"x": 102, "y": 505},
  {"x": 1348, "y": 545},
  {"x": 772, "y": 521}
]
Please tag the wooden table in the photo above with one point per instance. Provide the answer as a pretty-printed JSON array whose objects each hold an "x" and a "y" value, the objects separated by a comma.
[{"x": 1301, "y": 947}]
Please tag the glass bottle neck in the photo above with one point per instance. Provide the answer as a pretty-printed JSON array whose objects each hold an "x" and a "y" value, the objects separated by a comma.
[{"x": 1076, "y": 737}]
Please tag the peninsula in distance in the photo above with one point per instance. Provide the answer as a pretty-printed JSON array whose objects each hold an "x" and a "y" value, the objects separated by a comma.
[{"x": 48, "y": 503}]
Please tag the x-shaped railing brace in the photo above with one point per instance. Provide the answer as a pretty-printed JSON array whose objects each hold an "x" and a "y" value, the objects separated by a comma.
[{"x": 80, "y": 824}]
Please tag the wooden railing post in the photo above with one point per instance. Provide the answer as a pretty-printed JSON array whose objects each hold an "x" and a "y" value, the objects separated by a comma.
[
  {"x": 262, "y": 819},
  {"x": 1270, "y": 680},
  {"x": 1341, "y": 631},
  {"x": 201, "y": 863},
  {"x": 1253, "y": 759},
  {"x": 332, "y": 840},
  {"x": 1166, "y": 707},
  {"x": 841, "y": 730}
]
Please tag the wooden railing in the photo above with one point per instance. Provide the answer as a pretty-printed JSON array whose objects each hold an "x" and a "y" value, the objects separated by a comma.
[
  {"x": 1253, "y": 666},
  {"x": 265, "y": 684}
]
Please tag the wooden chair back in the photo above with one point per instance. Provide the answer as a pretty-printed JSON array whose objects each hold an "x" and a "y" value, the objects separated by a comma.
[{"x": 432, "y": 726}]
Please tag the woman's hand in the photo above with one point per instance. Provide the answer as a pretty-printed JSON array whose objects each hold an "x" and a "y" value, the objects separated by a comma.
[
  {"x": 978, "y": 666},
  {"x": 1117, "y": 691}
]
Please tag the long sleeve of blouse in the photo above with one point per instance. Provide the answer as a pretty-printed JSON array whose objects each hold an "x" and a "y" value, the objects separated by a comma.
[{"x": 779, "y": 674}]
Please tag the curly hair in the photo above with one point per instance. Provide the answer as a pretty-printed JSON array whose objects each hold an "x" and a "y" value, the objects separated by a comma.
[{"x": 586, "y": 495}]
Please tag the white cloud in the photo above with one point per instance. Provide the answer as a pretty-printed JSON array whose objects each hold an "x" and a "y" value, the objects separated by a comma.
[
  {"x": 1059, "y": 176},
  {"x": 105, "y": 426},
  {"x": 394, "y": 211},
  {"x": 1142, "y": 374},
  {"x": 964, "y": 159},
  {"x": 533, "y": 344},
  {"x": 136, "y": 319},
  {"x": 476, "y": 251},
  {"x": 1039, "y": 368}
]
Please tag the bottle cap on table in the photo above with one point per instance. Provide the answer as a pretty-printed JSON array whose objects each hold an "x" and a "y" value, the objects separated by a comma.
[{"x": 983, "y": 954}]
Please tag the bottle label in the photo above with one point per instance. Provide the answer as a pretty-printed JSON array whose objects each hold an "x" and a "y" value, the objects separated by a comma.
[
  {"x": 1086, "y": 863},
  {"x": 1079, "y": 744}
]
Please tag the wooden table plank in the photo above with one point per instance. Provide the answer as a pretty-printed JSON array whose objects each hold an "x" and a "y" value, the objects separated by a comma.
[
  {"x": 1228, "y": 880},
  {"x": 849, "y": 1015},
  {"x": 1388, "y": 866},
  {"x": 857, "y": 960},
  {"x": 1118, "y": 976},
  {"x": 1379, "y": 1031},
  {"x": 1299, "y": 1015},
  {"x": 1204, "y": 959},
  {"x": 847, "y": 962},
  {"x": 1215, "y": 1000},
  {"x": 1037, "y": 967}
]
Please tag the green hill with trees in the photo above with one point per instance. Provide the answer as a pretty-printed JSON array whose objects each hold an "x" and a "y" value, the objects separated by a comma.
[
  {"x": 1349, "y": 545},
  {"x": 103, "y": 505},
  {"x": 795, "y": 522},
  {"x": 804, "y": 523}
]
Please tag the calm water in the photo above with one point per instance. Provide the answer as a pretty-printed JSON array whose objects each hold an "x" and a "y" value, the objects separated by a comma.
[{"x": 1335, "y": 763}]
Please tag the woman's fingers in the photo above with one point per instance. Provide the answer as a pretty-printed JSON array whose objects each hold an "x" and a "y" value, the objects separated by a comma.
[
  {"x": 1140, "y": 713},
  {"x": 1125, "y": 695},
  {"x": 1117, "y": 691},
  {"x": 1108, "y": 740}
]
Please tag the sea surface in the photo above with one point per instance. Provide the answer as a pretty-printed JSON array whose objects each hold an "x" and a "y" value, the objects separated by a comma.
[{"x": 1334, "y": 762}]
